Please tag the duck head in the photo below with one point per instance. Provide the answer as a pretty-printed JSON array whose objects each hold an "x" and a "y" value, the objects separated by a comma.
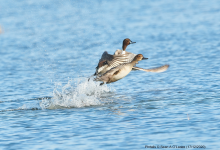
[
  {"x": 139, "y": 57},
  {"x": 126, "y": 42}
]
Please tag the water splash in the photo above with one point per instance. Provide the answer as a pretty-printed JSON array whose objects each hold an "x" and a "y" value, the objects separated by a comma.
[{"x": 80, "y": 94}]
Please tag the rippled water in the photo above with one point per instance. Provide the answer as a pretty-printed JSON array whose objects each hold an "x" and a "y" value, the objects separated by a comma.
[{"x": 49, "y": 48}]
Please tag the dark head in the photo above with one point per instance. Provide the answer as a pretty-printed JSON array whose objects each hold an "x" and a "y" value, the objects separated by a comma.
[
  {"x": 126, "y": 42},
  {"x": 139, "y": 57}
]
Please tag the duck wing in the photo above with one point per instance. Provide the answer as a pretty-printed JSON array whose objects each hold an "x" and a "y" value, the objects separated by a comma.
[
  {"x": 157, "y": 69},
  {"x": 118, "y": 60},
  {"x": 108, "y": 62},
  {"x": 106, "y": 57},
  {"x": 129, "y": 55}
]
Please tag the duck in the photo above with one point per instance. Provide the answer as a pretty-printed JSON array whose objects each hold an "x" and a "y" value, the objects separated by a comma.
[
  {"x": 109, "y": 61},
  {"x": 119, "y": 72}
]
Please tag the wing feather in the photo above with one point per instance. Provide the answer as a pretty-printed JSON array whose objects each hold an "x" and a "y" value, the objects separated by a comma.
[{"x": 157, "y": 69}]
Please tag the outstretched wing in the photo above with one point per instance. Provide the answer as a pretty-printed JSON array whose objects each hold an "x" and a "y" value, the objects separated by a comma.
[
  {"x": 118, "y": 59},
  {"x": 129, "y": 55},
  {"x": 121, "y": 58},
  {"x": 109, "y": 61},
  {"x": 103, "y": 61},
  {"x": 157, "y": 70},
  {"x": 106, "y": 56}
]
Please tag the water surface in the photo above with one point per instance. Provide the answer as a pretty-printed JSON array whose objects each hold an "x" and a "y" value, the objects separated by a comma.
[{"x": 49, "y": 48}]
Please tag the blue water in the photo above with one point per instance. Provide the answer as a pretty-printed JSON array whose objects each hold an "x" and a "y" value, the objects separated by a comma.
[{"x": 48, "y": 48}]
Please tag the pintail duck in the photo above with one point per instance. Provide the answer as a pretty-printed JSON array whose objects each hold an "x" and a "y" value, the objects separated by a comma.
[
  {"x": 119, "y": 72},
  {"x": 109, "y": 61}
]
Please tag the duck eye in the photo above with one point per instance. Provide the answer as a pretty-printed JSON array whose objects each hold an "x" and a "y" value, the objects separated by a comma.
[{"x": 105, "y": 63}]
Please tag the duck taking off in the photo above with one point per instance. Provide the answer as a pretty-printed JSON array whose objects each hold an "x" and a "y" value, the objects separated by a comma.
[{"x": 109, "y": 61}]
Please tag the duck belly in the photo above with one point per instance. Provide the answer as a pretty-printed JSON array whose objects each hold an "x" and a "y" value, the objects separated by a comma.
[{"x": 121, "y": 74}]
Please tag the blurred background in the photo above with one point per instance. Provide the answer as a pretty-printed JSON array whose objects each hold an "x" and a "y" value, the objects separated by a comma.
[{"x": 49, "y": 48}]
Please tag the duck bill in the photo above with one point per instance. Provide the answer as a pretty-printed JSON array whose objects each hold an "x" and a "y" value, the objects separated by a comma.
[
  {"x": 132, "y": 42},
  {"x": 144, "y": 58}
]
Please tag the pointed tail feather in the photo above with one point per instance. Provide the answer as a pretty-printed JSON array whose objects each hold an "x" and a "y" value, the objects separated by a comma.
[{"x": 157, "y": 70}]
